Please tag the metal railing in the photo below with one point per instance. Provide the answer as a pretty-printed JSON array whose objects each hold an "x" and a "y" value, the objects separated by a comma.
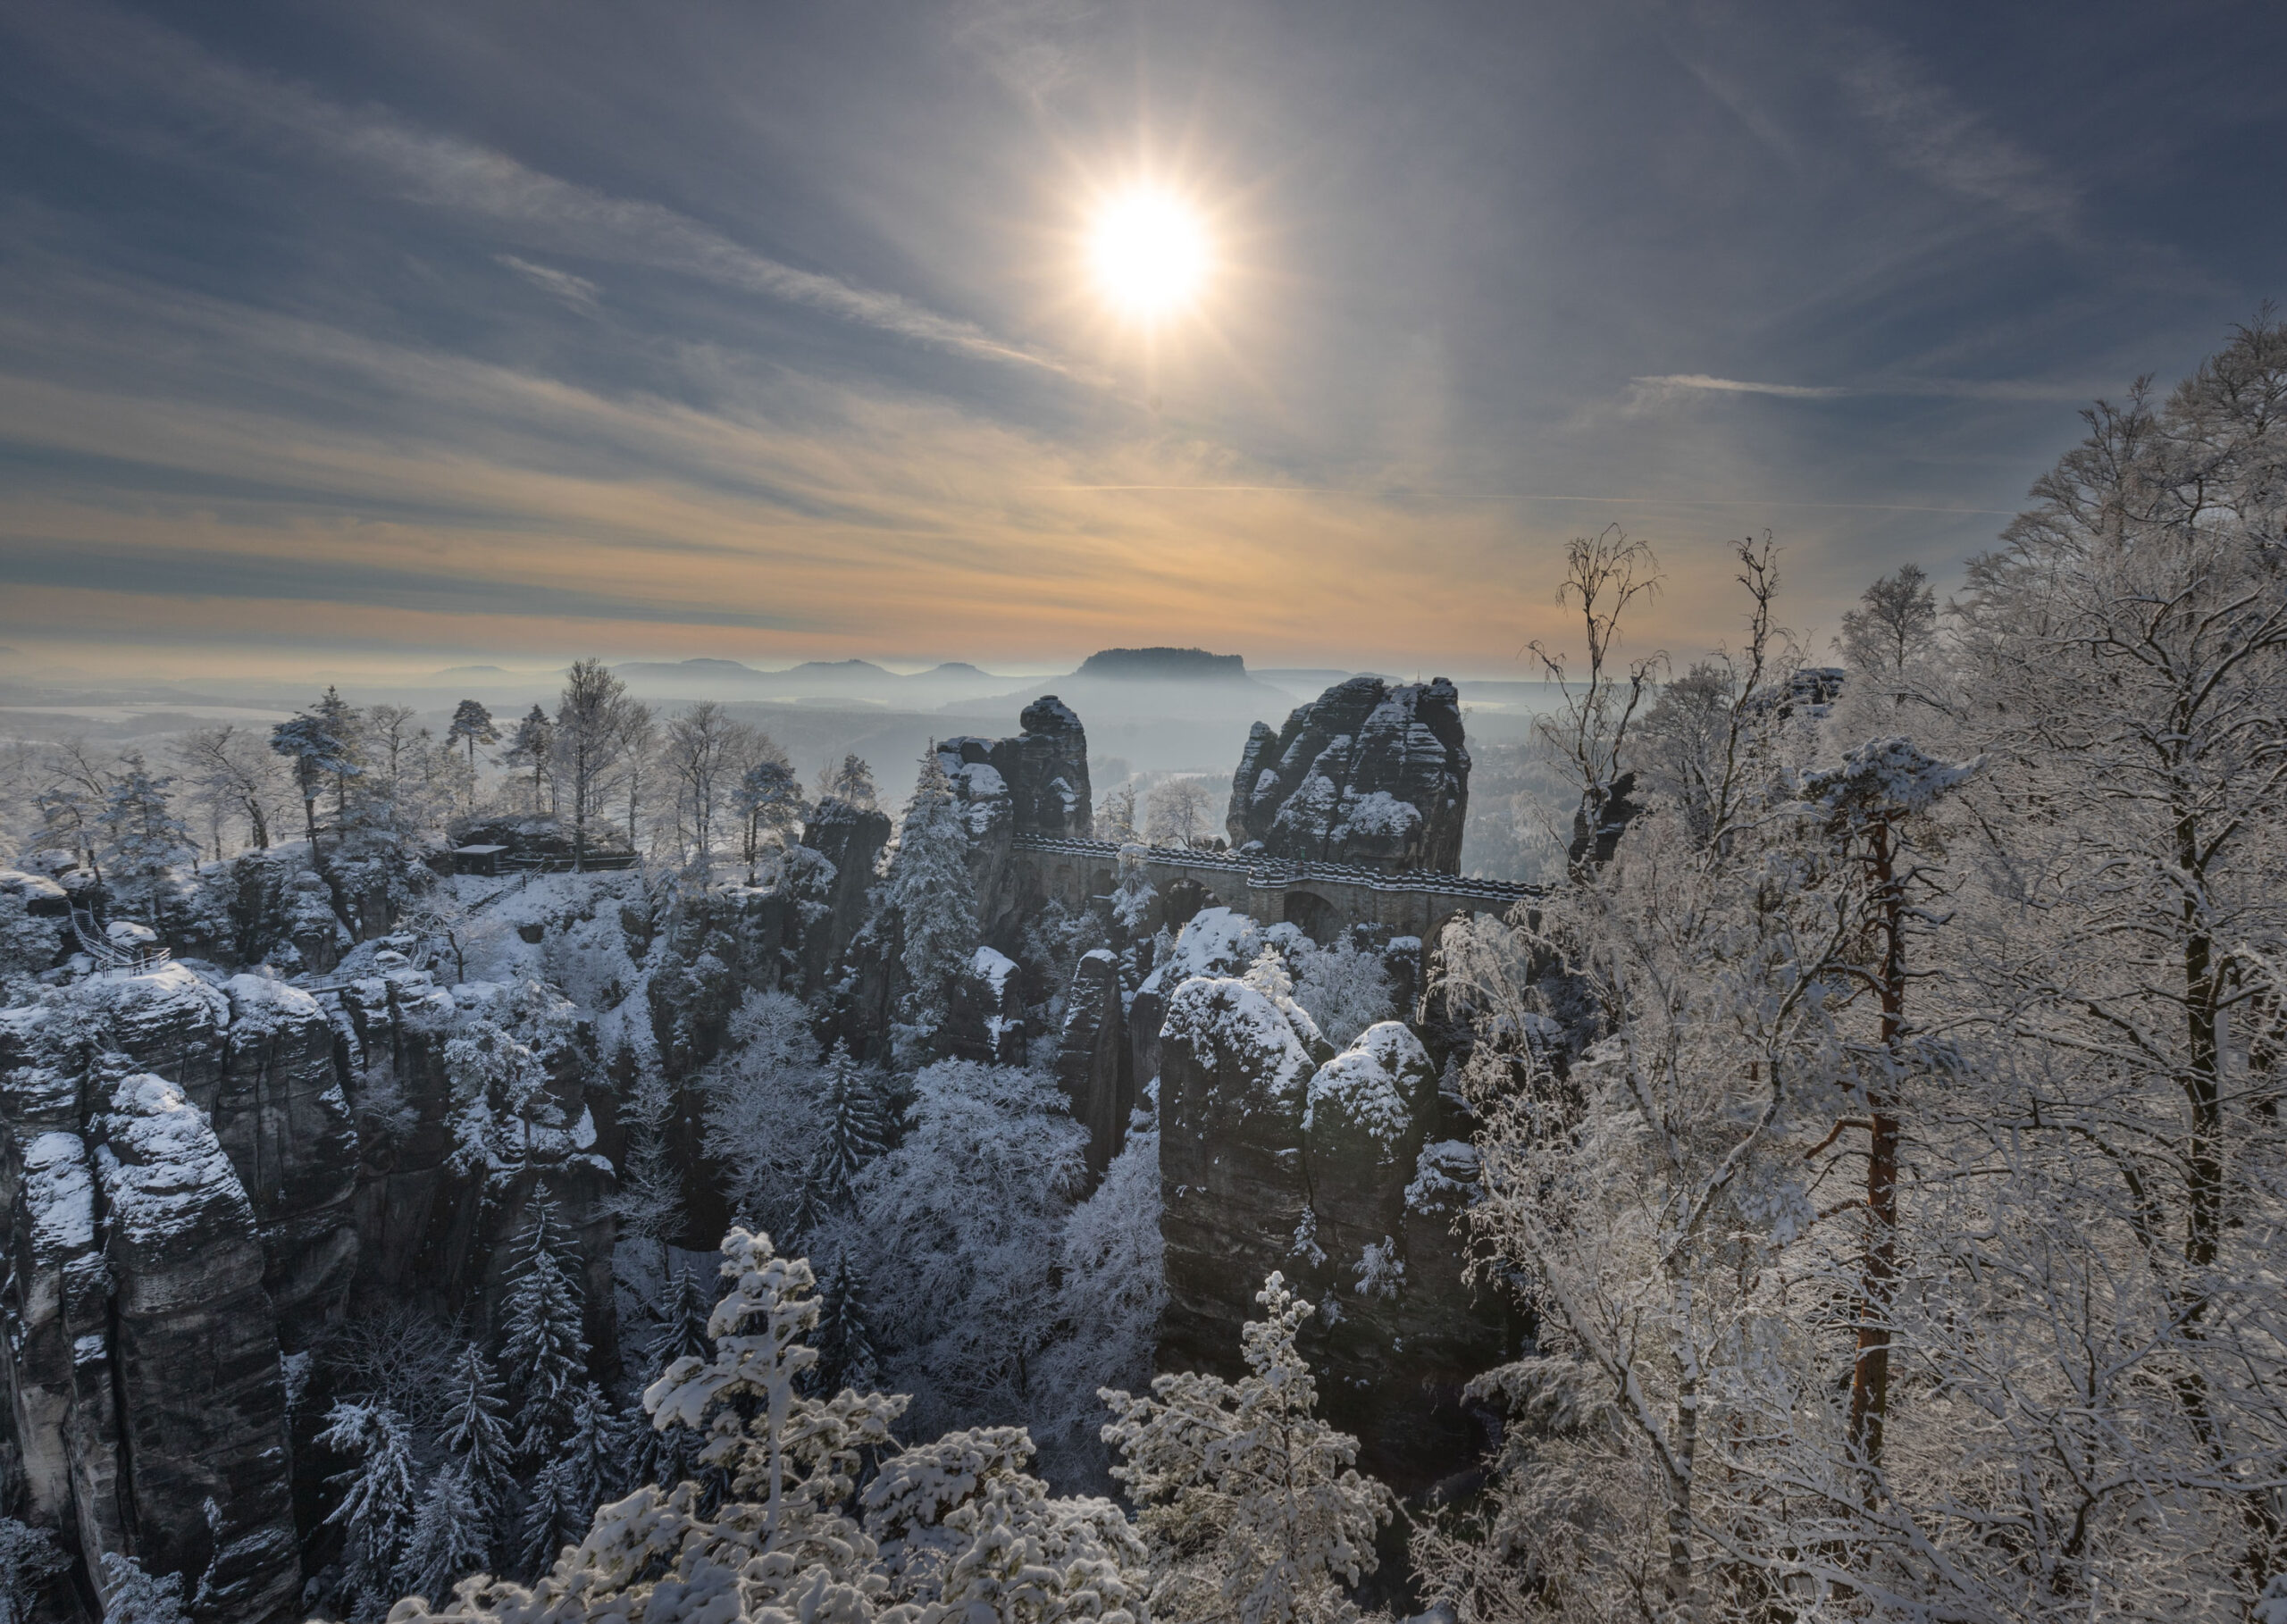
[{"x": 112, "y": 958}]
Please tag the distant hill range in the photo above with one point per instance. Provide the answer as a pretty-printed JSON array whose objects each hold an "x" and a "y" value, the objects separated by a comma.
[
  {"x": 858, "y": 680},
  {"x": 1186, "y": 683},
  {"x": 1163, "y": 683}
]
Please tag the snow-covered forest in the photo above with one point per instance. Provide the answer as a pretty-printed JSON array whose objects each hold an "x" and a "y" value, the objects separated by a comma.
[{"x": 572, "y": 1167}]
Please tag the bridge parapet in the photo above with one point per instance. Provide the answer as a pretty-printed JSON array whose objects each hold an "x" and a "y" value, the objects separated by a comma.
[{"x": 1410, "y": 902}]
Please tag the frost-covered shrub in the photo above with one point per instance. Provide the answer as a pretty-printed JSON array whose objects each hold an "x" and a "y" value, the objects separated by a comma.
[
  {"x": 506, "y": 1060},
  {"x": 955, "y": 1231},
  {"x": 760, "y": 1121},
  {"x": 951, "y": 1531},
  {"x": 1114, "y": 1287},
  {"x": 1346, "y": 989},
  {"x": 1253, "y": 1505},
  {"x": 1050, "y": 950}
]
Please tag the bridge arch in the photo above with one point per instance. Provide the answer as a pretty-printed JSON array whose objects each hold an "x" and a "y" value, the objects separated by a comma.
[
  {"x": 1184, "y": 897},
  {"x": 1317, "y": 916}
]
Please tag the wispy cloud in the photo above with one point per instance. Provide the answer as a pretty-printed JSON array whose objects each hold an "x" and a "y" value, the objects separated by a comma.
[
  {"x": 577, "y": 291},
  {"x": 1667, "y": 388},
  {"x": 101, "y": 45},
  {"x": 1650, "y": 394},
  {"x": 1928, "y": 130}
]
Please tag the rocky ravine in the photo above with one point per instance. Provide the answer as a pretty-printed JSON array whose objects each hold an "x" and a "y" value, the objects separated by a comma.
[{"x": 188, "y": 1203}]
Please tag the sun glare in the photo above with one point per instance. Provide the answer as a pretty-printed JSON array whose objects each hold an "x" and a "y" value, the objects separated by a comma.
[{"x": 1150, "y": 253}]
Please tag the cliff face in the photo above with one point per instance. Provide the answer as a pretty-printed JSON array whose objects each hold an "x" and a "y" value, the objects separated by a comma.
[
  {"x": 187, "y": 1196},
  {"x": 1094, "y": 1061},
  {"x": 446, "y": 1176},
  {"x": 1365, "y": 774},
  {"x": 144, "y": 1370},
  {"x": 1341, "y": 1176}
]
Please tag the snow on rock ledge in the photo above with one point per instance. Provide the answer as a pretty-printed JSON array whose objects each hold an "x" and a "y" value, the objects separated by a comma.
[
  {"x": 166, "y": 1181},
  {"x": 1372, "y": 1092},
  {"x": 1235, "y": 1033}
]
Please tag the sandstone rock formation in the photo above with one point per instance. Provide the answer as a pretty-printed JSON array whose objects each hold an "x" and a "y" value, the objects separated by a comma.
[
  {"x": 445, "y": 1181},
  {"x": 1346, "y": 1175},
  {"x": 1093, "y": 1062},
  {"x": 986, "y": 1017},
  {"x": 144, "y": 1372},
  {"x": 1365, "y": 774},
  {"x": 201, "y": 1395},
  {"x": 189, "y": 1193},
  {"x": 1043, "y": 770},
  {"x": 1034, "y": 783},
  {"x": 833, "y": 899}
]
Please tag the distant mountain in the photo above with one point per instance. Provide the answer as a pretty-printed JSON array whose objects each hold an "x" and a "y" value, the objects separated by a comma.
[
  {"x": 1164, "y": 666},
  {"x": 1187, "y": 684},
  {"x": 812, "y": 682},
  {"x": 457, "y": 674}
]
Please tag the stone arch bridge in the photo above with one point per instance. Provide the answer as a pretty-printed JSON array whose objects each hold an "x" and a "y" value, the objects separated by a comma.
[{"x": 1322, "y": 898}]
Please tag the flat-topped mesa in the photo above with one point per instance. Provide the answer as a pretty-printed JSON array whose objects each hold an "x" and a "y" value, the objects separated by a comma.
[{"x": 1366, "y": 773}]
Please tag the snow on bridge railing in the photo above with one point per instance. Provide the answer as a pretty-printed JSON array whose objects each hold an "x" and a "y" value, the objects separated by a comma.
[
  {"x": 113, "y": 958},
  {"x": 1266, "y": 872}
]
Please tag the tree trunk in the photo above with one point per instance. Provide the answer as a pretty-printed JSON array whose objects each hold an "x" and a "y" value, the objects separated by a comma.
[{"x": 1869, "y": 1377}]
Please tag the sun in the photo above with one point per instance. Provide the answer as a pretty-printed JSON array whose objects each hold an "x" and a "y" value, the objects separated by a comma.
[{"x": 1150, "y": 253}]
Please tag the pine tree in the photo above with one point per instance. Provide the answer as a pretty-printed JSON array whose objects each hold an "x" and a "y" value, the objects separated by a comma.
[
  {"x": 553, "y": 1517},
  {"x": 585, "y": 1471},
  {"x": 473, "y": 724},
  {"x": 378, "y": 1497},
  {"x": 682, "y": 1323},
  {"x": 533, "y": 746},
  {"x": 316, "y": 752},
  {"x": 1250, "y": 1496},
  {"x": 851, "y": 782},
  {"x": 933, "y": 894},
  {"x": 852, "y": 1138},
  {"x": 768, "y": 800},
  {"x": 478, "y": 1442},
  {"x": 141, "y": 836},
  {"x": 544, "y": 1342},
  {"x": 588, "y": 742},
  {"x": 343, "y": 721},
  {"x": 846, "y": 1356},
  {"x": 132, "y": 1595},
  {"x": 450, "y": 1537},
  {"x": 594, "y": 1469}
]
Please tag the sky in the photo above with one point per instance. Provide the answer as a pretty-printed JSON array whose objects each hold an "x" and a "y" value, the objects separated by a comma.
[{"x": 400, "y": 336}]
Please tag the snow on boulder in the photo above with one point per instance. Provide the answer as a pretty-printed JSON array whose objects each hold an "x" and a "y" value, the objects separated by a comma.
[
  {"x": 59, "y": 1195},
  {"x": 38, "y": 894},
  {"x": 260, "y": 1006},
  {"x": 1371, "y": 1093},
  {"x": 1217, "y": 941},
  {"x": 1235, "y": 1032},
  {"x": 168, "y": 1186},
  {"x": 992, "y": 968},
  {"x": 169, "y": 1020}
]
